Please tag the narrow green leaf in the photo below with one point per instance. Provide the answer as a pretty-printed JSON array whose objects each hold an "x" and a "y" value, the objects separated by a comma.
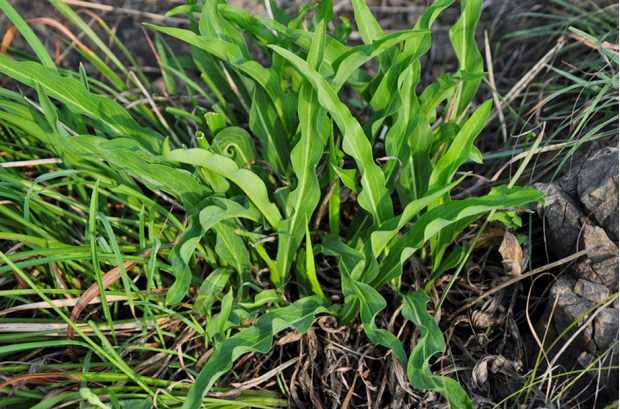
[
  {"x": 30, "y": 36},
  {"x": 390, "y": 228},
  {"x": 368, "y": 26},
  {"x": 371, "y": 302},
  {"x": 210, "y": 289},
  {"x": 304, "y": 158},
  {"x": 431, "y": 342},
  {"x": 463, "y": 38},
  {"x": 311, "y": 268},
  {"x": 349, "y": 61}
]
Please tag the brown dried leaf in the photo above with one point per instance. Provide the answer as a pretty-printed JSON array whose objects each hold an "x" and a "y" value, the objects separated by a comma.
[{"x": 512, "y": 254}]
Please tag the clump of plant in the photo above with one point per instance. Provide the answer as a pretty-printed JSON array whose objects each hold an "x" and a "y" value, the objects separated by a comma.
[{"x": 258, "y": 170}]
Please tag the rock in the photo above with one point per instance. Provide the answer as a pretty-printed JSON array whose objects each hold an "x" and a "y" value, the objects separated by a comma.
[
  {"x": 569, "y": 182},
  {"x": 593, "y": 236},
  {"x": 600, "y": 334},
  {"x": 604, "y": 272},
  {"x": 591, "y": 291},
  {"x": 605, "y": 328},
  {"x": 562, "y": 214},
  {"x": 597, "y": 188},
  {"x": 585, "y": 359},
  {"x": 569, "y": 308},
  {"x": 581, "y": 212}
]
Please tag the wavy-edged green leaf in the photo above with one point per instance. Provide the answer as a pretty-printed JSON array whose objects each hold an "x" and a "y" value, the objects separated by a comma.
[
  {"x": 369, "y": 28},
  {"x": 388, "y": 230},
  {"x": 248, "y": 181},
  {"x": 262, "y": 298},
  {"x": 371, "y": 302},
  {"x": 431, "y": 222},
  {"x": 217, "y": 326},
  {"x": 297, "y": 21},
  {"x": 303, "y": 38},
  {"x": 304, "y": 158},
  {"x": 385, "y": 100},
  {"x": 267, "y": 78},
  {"x": 267, "y": 127},
  {"x": 214, "y": 212},
  {"x": 242, "y": 18},
  {"x": 351, "y": 60},
  {"x": 463, "y": 38},
  {"x": 231, "y": 247},
  {"x": 407, "y": 141},
  {"x": 437, "y": 92},
  {"x": 324, "y": 12},
  {"x": 446, "y": 167},
  {"x": 210, "y": 289},
  {"x": 431, "y": 342},
  {"x": 114, "y": 118},
  {"x": 459, "y": 150},
  {"x": 259, "y": 337},
  {"x": 213, "y": 25},
  {"x": 235, "y": 143},
  {"x": 374, "y": 196},
  {"x": 224, "y": 209},
  {"x": 348, "y": 178}
]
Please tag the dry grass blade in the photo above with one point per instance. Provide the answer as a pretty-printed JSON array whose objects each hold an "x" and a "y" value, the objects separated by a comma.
[
  {"x": 123, "y": 10},
  {"x": 108, "y": 279},
  {"x": 61, "y": 303},
  {"x": 39, "y": 378},
  {"x": 582, "y": 327},
  {"x": 29, "y": 163},
  {"x": 17, "y": 327},
  {"x": 496, "y": 101},
  {"x": 527, "y": 78},
  {"x": 10, "y": 34},
  {"x": 520, "y": 156},
  {"x": 605, "y": 44}
]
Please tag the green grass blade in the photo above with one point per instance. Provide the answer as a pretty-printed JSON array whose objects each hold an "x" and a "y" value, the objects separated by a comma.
[
  {"x": 29, "y": 35},
  {"x": 71, "y": 92}
]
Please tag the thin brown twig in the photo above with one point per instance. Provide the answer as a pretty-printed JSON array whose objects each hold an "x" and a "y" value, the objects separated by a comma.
[
  {"x": 131, "y": 12},
  {"x": 529, "y": 274},
  {"x": 496, "y": 101},
  {"x": 325, "y": 202}
]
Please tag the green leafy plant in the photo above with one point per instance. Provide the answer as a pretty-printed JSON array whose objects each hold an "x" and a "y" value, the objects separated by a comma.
[{"x": 275, "y": 144}]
